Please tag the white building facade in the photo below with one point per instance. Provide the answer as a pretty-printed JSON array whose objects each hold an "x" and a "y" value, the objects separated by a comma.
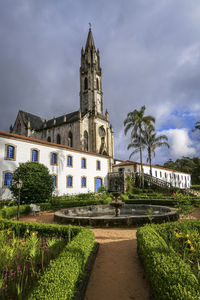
[
  {"x": 175, "y": 178},
  {"x": 73, "y": 170}
]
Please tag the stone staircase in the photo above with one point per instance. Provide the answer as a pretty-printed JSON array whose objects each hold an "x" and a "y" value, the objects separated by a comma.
[{"x": 159, "y": 182}]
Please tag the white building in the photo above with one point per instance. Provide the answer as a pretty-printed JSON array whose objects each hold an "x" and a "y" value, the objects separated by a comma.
[
  {"x": 175, "y": 178},
  {"x": 74, "y": 171}
]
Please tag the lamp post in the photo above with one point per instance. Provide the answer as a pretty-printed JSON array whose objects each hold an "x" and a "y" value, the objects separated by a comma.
[{"x": 19, "y": 186}]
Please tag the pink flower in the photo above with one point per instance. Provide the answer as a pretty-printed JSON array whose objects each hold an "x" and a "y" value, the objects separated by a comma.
[
  {"x": 18, "y": 268},
  {"x": 47, "y": 249},
  {"x": 3, "y": 288}
]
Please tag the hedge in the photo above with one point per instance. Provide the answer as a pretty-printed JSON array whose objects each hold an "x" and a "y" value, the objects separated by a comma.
[
  {"x": 169, "y": 276},
  {"x": 9, "y": 212},
  {"x": 64, "y": 273},
  {"x": 61, "y": 278}
]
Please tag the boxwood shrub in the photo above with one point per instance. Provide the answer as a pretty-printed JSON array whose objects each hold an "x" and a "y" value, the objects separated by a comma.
[
  {"x": 64, "y": 273},
  {"x": 61, "y": 278},
  {"x": 169, "y": 276}
]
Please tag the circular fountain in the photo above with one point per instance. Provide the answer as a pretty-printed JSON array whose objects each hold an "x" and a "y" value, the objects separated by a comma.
[{"x": 106, "y": 216}]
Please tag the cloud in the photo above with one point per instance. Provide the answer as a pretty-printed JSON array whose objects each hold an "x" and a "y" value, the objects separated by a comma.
[
  {"x": 180, "y": 143},
  {"x": 149, "y": 54}
]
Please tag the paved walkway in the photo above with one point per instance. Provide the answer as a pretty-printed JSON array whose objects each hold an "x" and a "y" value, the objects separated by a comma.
[{"x": 117, "y": 273}]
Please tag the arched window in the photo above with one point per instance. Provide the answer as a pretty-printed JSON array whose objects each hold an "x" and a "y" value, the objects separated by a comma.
[
  {"x": 85, "y": 83},
  {"x": 97, "y": 83},
  {"x": 85, "y": 140},
  {"x": 98, "y": 166},
  {"x": 8, "y": 179},
  {"x": 83, "y": 163},
  {"x": 10, "y": 152},
  {"x": 83, "y": 182},
  {"x": 49, "y": 139},
  {"x": 54, "y": 180},
  {"x": 69, "y": 181},
  {"x": 58, "y": 139},
  {"x": 70, "y": 139},
  {"x": 53, "y": 158},
  {"x": 35, "y": 155},
  {"x": 69, "y": 161}
]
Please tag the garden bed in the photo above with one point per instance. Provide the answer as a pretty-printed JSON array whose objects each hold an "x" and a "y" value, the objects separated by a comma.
[
  {"x": 63, "y": 274},
  {"x": 170, "y": 254}
]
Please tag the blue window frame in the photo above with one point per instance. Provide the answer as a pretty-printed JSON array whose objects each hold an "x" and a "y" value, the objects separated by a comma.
[
  {"x": 54, "y": 159},
  {"x": 69, "y": 161},
  {"x": 69, "y": 181},
  {"x": 83, "y": 182},
  {"x": 8, "y": 179},
  {"x": 98, "y": 165},
  {"x": 54, "y": 180},
  {"x": 98, "y": 183},
  {"x": 83, "y": 163},
  {"x": 34, "y": 155},
  {"x": 10, "y": 152}
]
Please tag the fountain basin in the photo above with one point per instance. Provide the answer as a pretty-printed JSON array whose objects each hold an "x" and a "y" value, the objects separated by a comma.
[{"x": 104, "y": 216}]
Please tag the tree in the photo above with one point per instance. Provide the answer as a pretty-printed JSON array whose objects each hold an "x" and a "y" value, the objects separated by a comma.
[
  {"x": 151, "y": 141},
  {"x": 37, "y": 183},
  {"x": 197, "y": 126},
  {"x": 186, "y": 165},
  {"x": 135, "y": 121}
]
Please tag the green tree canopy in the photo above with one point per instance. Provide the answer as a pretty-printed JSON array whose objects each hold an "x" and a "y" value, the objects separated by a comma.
[
  {"x": 151, "y": 141},
  {"x": 187, "y": 165},
  {"x": 135, "y": 122},
  {"x": 37, "y": 183}
]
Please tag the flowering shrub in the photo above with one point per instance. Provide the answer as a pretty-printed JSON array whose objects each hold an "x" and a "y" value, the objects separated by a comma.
[
  {"x": 170, "y": 254},
  {"x": 24, "y": 259}
]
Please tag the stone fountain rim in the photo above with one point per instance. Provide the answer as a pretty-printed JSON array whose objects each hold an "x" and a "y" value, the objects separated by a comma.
[{"x": 164, "y": 214}]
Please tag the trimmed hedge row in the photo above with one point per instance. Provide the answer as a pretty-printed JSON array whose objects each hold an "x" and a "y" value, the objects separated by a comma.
[
  {"x": 9, "y": 212},
  {"x": 61, "y": 278},
  {"x": 64, "y": 273},
  {"x": 169, "y": 276}
]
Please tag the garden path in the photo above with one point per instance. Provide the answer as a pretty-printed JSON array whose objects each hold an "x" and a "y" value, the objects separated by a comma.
[{"x": 117, "y": 273}]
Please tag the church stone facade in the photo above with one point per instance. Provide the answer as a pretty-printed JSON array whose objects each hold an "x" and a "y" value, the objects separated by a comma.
[{"x": 88, "y": 128}]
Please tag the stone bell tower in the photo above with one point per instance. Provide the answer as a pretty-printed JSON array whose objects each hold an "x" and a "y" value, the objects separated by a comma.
[
  {"x": 96, "y": 134},
  {"x": 90, "y": 78}
]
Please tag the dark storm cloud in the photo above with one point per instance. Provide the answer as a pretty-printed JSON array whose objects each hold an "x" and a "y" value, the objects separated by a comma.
[{"x": 149, "y": 55}]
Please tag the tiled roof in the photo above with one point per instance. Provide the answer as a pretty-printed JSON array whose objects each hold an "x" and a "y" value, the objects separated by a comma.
[
  {"x": 38, "y": 123},
  {"x": 129, "y": 163},
  {"x": 35, "y": 121},
  {"x": 42, "y": 142}
]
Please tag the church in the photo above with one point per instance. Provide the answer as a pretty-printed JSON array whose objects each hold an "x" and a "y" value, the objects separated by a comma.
[
  {"x": 86, "y": 129},
  {"x": 78, "y": 147}
]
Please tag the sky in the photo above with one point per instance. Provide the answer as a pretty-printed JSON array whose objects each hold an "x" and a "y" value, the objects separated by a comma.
[{"x": 149, "y": 51}]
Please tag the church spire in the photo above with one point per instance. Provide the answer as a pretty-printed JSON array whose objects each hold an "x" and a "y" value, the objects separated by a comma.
[{"x": 90, "y": 41}]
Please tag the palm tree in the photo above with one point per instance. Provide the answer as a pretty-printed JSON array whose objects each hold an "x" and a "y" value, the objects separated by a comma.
[
  {"x": 151, "y": 141},
  {"x": 197, "y": 126},
  {"x": 135, "y": 121}
]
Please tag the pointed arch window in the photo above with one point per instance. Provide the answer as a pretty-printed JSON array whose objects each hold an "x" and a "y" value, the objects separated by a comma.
[
  {"x": 85, "y": 140},
  {"x": 58, "y": 139},
  {"x": 85, "y": 83},
  {"x": 49, "y": 139},
  {"x": 70, "y": 139},
  {"x": 97, "y": 83}
]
